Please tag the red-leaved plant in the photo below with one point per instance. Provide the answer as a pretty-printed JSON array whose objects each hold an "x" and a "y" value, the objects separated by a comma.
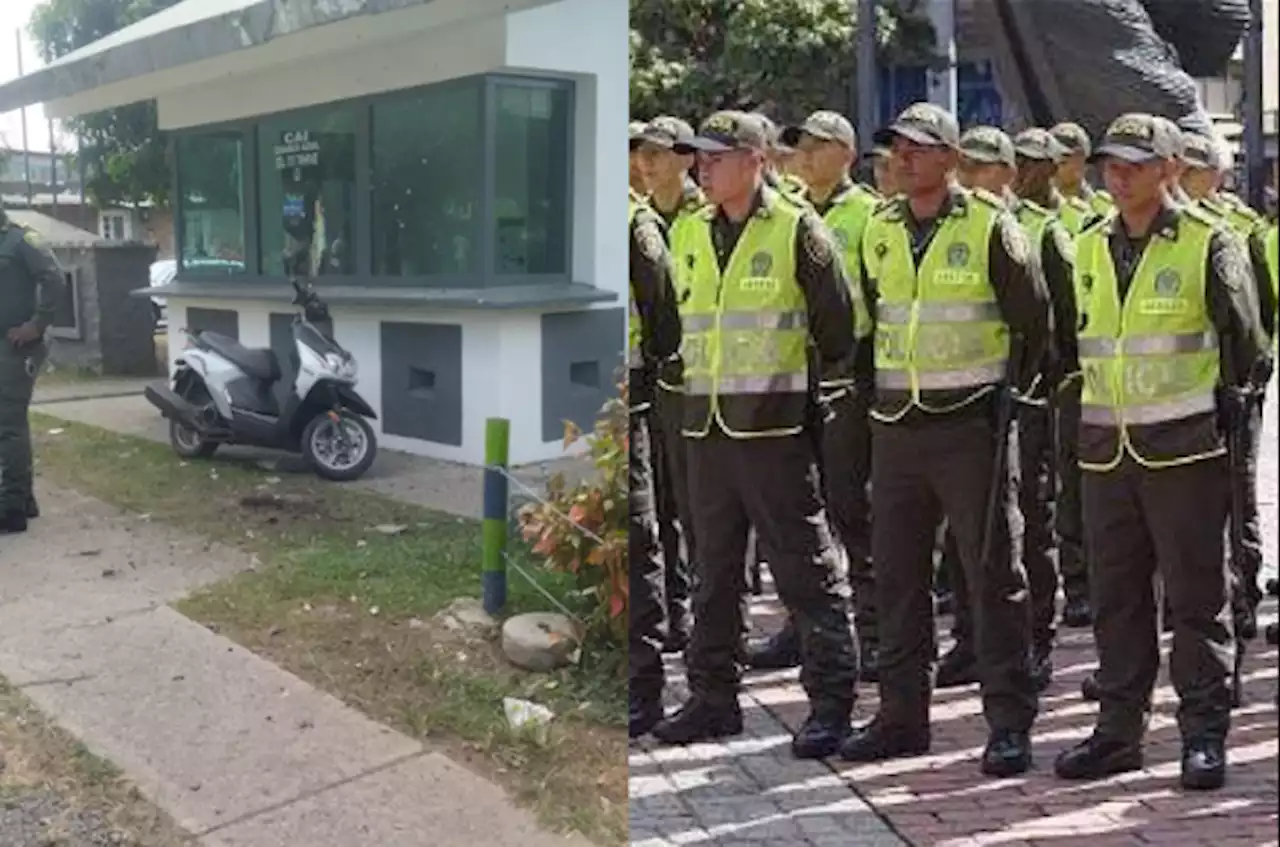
[{"x": 599, "y": 506}]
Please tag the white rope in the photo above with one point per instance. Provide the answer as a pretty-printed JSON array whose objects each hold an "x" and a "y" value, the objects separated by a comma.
[
  {"x": 529, "y": 578},
  {"x": 531, "y": 493}
]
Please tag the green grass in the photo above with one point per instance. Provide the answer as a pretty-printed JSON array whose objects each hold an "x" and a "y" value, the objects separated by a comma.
[{"x": 353, "y": 611}]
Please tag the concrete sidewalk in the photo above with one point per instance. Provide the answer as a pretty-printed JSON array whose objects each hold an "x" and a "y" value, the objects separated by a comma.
[
  {"x": 239, "y": 752},
  {"x": 444, "y": 486}
]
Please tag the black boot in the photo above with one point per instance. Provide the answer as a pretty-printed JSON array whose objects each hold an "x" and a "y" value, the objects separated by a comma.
[
  {"x": 13, "y": 521},
  {"x": 944, "y": 602},
  {"x": 1204, "y": 764},
  {"x": 1008, "y": 753},
  {"x": 699, "y": 721},
  {"x": 778, "y": 652},
  {"x": 644, "y": 715},
  {"x": 33, "y": 508},
  {"x": 677, "y": 631},
  {"x": 1273, "y": 634},
  {"x": 878, "y": 741},
  {"x": 1095, "y": 758},
  {"x": 958, "y": 667},
  {"x": 1077, "y": 613},
  {"x": 1089, "y": 688},
  {"x": 820, "y": 737},
  {"x": 1042, "y": 667}
]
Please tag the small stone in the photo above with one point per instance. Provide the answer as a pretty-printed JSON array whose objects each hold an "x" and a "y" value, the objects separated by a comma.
[
  {"x": 541, "y": 642},
  {"x": 391, "y": 529},
  {"x": 468, "y": 613}
]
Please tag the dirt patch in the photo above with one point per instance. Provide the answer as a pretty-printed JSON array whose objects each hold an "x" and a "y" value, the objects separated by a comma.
[{"x": 55, "y": 793}]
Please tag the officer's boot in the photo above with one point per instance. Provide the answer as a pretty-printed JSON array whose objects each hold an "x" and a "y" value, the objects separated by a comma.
[
  {"x": 1204, "y": 764},
  {"x": 1273, "y": 634},
  {"x": 1097, "y": 757},
  {"x": 1077, "y": 613},
  {"x": 1042, "y": 665},
  {"x": 822, "y": 734},
  {"x": 33, "y": 508},
  {"x": 779, "y": 651},
  {"x": 679, "y": 624},
  {"x": 878, "y": 741},
  {"x": 958, "y": 667},
  {"x": 1089, "y": 688},
  {"x": 697, "y": 721},
  {"x": 644, "y": 715},
  {"x": 13, "y": 521}
]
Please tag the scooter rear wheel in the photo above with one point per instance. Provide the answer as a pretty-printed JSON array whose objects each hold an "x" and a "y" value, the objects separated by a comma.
[{"x": 186, "y": 442}]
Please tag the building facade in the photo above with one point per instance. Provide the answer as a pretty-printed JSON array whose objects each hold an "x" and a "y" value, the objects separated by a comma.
[{"x": 450, "y": 173}]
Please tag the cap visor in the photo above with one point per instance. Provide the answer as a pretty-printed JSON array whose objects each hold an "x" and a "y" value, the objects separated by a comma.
[
  {"x": 984, "y": 158},
  {"x": 918, "y": 136},
  {"x": 657, "y": 140},
  {"x": 1035, "y": 154},
  {"x": 1124, "y": 152},
  {"x": 702, "y": 144}
]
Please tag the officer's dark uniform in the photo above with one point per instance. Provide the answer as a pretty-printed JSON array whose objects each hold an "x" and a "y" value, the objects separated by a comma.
[
  {"x": 1155, "y": 483},
  {"x": 30, "y": 288},
  {"x": 751, "y": 464},
  {"x": 940, "y": 363},
  {"x": 653, "y": 336},
  {"x": 671, "y": 476}
]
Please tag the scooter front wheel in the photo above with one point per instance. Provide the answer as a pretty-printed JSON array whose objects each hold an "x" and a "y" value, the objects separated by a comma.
[{"x": 339, "y": 445}]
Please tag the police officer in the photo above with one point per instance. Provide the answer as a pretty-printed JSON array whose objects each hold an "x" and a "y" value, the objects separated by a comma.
[
  {"x": 1167, "y": 317},
  {"x": 959, "y": 314},
  {"x": 827, "y": 151},
  {"x": 1037, "y": 207},
  {"x": 1080, "y": 200},
  {"x": 987, "y": 164},
  {"x": 764, "y": 281},
  {"x": 882, "y": 171},
  {"x": 30, "y": 289},
  {"x": 1205, "y": 164},
  {"x": 653, "y": 335},
  {"x": 672, "y": 195}
]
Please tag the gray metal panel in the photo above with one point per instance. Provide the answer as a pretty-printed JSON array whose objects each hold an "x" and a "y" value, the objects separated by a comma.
[
  {"x": 422, "y": 381},
  {"x": 581, "y": 361},
  {"x": 222, "y": 321}
]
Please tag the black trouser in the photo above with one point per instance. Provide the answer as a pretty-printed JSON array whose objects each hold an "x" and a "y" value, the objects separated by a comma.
[
  {"x": 647, "y": 625},
  {"x": 1246, "y": 561},
  {"x": 1072, "y": 554},
  {"x": 846, "y": 476},
  {"x": 771, "y": 485},
  {"x": 1141, "y": 522},
  {"x": 1036, "y": 479},
  {"x": 921, "y": 471},
  {"x": 671, "y": 499}
]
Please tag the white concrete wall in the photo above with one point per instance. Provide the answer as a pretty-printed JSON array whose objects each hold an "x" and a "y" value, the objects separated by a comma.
[
  {"x": 501, "y": 369},
  {"x": 595, "y": 56}
]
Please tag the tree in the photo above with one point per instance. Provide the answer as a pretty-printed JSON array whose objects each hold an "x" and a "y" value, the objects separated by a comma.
[
  {"x": 124, "y": 153},
  {"x": 788, "y": 57}
]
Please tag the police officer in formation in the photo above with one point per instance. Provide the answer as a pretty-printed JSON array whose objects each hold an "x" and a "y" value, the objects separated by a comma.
[
  {"x": 31, "y": 287},
  {"x": 992, "y": 295}
]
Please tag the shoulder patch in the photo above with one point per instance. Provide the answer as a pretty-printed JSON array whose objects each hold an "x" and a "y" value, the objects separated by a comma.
[
  {"x": 819, "y": 246},
  {"x": 649, "y": 237},
  {"x": 1015, "y": 241}
]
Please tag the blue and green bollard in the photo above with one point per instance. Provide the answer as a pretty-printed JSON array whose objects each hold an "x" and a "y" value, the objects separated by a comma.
[{"x": 497, "y": 437}]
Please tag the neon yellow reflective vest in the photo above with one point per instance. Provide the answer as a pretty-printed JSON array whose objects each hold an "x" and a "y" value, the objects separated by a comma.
[
  {"x": 744, "y": 331},
  {"x": 694, "y": 203},
  {"x": 847, "y": 219},
  {"x": 1076, "y": 210},
  {"x": 941, "y": 341},
  {"x": 1153, "y": 359}
]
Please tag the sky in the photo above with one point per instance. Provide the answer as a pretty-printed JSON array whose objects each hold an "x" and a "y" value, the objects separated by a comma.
[{"x": 17, "y": 13}]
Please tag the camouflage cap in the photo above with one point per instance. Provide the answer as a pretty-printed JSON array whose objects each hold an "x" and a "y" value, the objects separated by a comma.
[
  {"x": 1038, "y": 145},
  {"x": 724, "y": 131},
  {"x": 987, "y": 144},
  {"x": 772, "y": 132},
  {"x": 635, "y": 129},
  {"x": 1137, "y": 138},
  {"x": 823, "y": 125},
  {"x": 1175, "y": 134},
  {"x": 923, "y": 123},
  {"x": 665, "y": 131},
  {"x": 1073, "y": 138},
  {"x": 1200, "y": 151}
]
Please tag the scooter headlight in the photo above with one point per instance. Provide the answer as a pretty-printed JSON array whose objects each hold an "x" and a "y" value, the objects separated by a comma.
[{"x": 343, "y": 368}]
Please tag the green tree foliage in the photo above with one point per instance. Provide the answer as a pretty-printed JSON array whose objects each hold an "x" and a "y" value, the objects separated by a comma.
[
  {"x": 788, "y": 57},
  {"x": 125, "y": 154}
]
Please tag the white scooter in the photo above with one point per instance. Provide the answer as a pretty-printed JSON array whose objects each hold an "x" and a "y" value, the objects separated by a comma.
[{"x": 224, "y": 393}]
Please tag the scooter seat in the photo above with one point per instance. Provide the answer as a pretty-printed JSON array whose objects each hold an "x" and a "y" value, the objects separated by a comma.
[{"x": 260, "y": 364}]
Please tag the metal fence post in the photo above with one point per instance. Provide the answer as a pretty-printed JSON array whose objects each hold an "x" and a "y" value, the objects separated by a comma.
[{"x": 497, "y": 437}]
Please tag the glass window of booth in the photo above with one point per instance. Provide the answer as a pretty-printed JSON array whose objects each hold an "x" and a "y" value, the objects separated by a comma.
[{"x": 211, "y": 219}]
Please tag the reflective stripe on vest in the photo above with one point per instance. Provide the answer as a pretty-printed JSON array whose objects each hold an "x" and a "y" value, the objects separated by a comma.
[
  {"x": 1271, "y": 246},
  {"x": 744, "y": 331},
  {"x": 847, "y": 219},
  {"x": 938, "y": 327},
  {"x": 1154, "y": 358}
]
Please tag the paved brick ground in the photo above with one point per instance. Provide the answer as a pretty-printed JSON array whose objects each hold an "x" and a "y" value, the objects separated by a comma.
[{"x": 749, "y": 790}]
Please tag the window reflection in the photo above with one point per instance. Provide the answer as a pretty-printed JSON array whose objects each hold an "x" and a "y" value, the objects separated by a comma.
[{"x": 211, "y": 203}]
